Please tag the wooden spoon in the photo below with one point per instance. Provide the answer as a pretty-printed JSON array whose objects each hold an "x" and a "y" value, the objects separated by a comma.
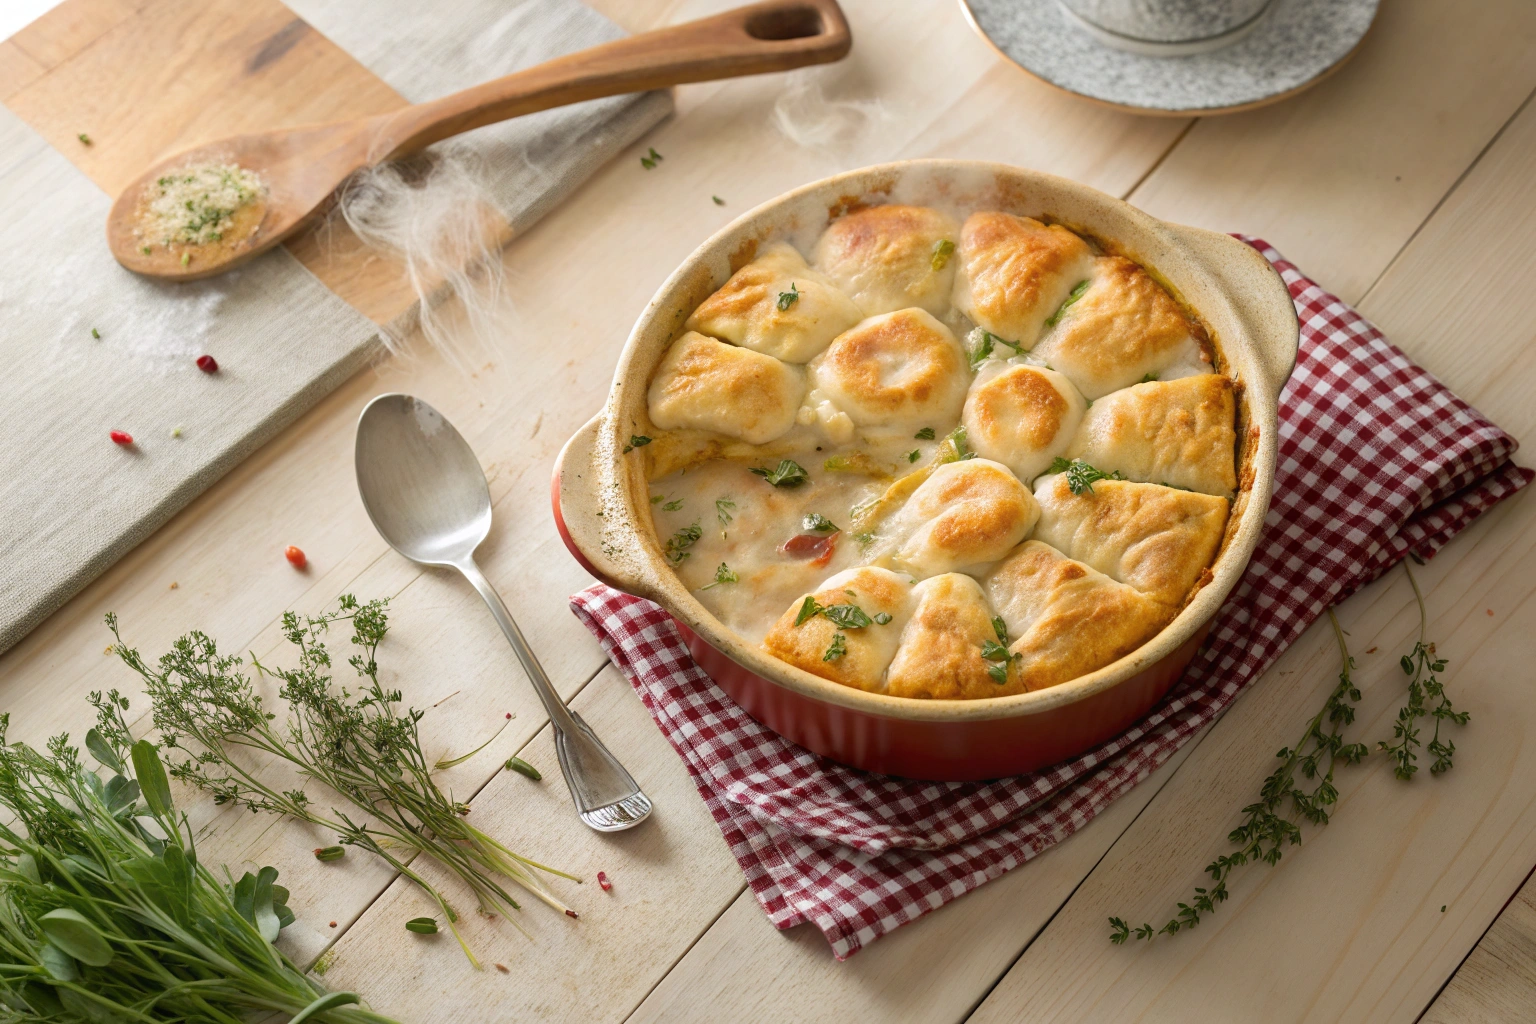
[{"x": 302, "y": 167}]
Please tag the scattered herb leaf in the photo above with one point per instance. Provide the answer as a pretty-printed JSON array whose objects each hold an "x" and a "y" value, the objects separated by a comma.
[
  {"x": 998, "y": 672},
  {"x": 847, "y": 616},
  {"x": 1001, "y": 629},
  {"x": 926, "y": 434},
  {"x": 809, "y": 609},
  {"x": 982, "y": 343},
  {"x": 1081, "y": 476},
  {"x": 955, "y": 447},
  {"x": 722, "y": 510},
  {"x": 676, "y": 548},
  {"x": 718, "y": 200},
  {"x": 636, "y": 441},
  {"x": 517, "y": 764},
  {"x": 788, "y": 473},
  {"x": 85, "y": 140},
  {"x": 789, "y": 298},
  {"x": 914, "y": 455},
  {"x": 722, "y": 575},
  {"x": 818, "y": 523},
  {"x": 672, "y": 506},
  {"x": 95, "y": 334},
  {"x": 657, "y": 499},
  {"x": 838, "y": 648},
  {"x": 1150, "y": 378},
  {"x": 422, "y": 925}
]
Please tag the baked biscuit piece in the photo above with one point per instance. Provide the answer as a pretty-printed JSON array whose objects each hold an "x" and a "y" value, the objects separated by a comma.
[
  {"x": 965, "y": 515},
  {"x": 891, "y": 257},
  {"x": 1068, "y": 619},
  {"x": 751, "y": 309},
  {"x": 1156, "y": 539},
  {"x": 901, "y": 370},
  {"x": 862, "y": 656},
  {"x": 1014, "y": 272},
  {"x": 704, "y": 384},
  {"x": 1178, "y": 432},
  {"x": 1021, "y": 416},
  {"x": 941, "y": 652},
  {"x": 1123, "y": 328}
]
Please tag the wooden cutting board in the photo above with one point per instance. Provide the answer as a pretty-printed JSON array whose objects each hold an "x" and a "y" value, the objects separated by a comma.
[{"x": 145, "y": 78}]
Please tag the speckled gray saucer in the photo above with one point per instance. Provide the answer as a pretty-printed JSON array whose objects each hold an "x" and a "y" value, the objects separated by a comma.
[{"x": 1294, "y": 46}]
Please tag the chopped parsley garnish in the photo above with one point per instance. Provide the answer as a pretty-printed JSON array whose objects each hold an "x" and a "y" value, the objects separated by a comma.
[
  {"x": 650, "y": 159},
  {"x": 1072, "y": 296},
  {"x": 657, "y": 498},
  {"x": 672, "y": 506},
  {"x": 838, "y": 649},
  {"x": 982, "y": 343},
  {"x": 676, "y": 548},
  {"x": 994, "y": 651},
  {"x": 926, "y": 434},
  {"x": 999, "y": 673},
  {"x": 942, "y": 250},
  {"x": 1150, "y": 378},
  {"x": 1001, "y": 629},
  {"x": 818, "y": 523},
  {"x": 722, "y": 510},
  {"x": 85, "y": 140},
  {"x": 789, "y": 298},
  {"x": 914, "y": 455},
  {"x": 998, "y": 655},
  {"x": 718, "y": 200},
  {"x": 808, "y": 610},
  {"x": 1081, "y": 476},
  {"x": 882, "y": 618},
  {"x": 723, "y": 574},
  {"x": 847, "y": 616},
  {"x": 789, "y": 473},
  {"x": 95, "y": 334},
  {"x": 636, "y": 441},
  {"x": 864, "y": 539}
]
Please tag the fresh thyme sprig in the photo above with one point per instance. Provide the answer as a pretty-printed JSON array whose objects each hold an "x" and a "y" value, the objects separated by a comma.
[
  {"x": 357, "y": 744},
  {"x": 1268, "y": 824},
  {"x": 1421, "y": 667}
]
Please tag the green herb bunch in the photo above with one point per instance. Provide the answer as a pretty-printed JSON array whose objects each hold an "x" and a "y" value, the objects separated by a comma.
[
  {"x": 106, "y": 914},
  {"x": 357, "y": 744},
  {"x": 1273, "y": 822}
]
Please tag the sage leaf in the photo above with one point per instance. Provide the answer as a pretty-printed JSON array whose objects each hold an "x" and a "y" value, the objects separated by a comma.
[
  {"x": 73, "y": 933},
  {"x": 102, "y": 751},
  {"x": 59, "y": 964},
  {"x": 152, "y": 781}
]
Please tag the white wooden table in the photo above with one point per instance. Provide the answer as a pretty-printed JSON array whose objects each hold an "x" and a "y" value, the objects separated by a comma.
[{"x": 1406, "y": 184}]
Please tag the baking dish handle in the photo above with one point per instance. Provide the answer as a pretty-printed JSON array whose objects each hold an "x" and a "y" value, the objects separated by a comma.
[
  {"x": 1259, "y": 294},
  {"x": 576, "y": 501}
]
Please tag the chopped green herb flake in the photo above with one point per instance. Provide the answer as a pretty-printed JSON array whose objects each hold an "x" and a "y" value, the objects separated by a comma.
[
  {"x": 95, "y": 334},
  {"x": 982, "y": 344},
  {"x": 672, "y": 506},
  {"x": 864, "y": 539},
  {"x": 789, "y": 473},
  {"x": 676, "y": 548},
  {"x": 722, "y": 510},
  {"x": 955, "y": 447},
  {"x": 636, "y": 441},
  {"x": 998, "y": 672},
  {"x": 85, "y": 140},
  {"x": 1001, "y": 629},
  {"x": 422, "y": 925},
  {"x": 926, "y": 434},
  {"x": 718, "y": 200},
  {"x": 818, "y": 523},
  {"x": 914, "y": 455},
  {"x": 942, "y": 250},
  {"x": 656, "y": 499},
  {"x": 1072, "y": 296},
  {"x": 1149, "y": 378},
  {"x": 838, "y": 648},
  {"x": 809, "y": 609},
  {"x": 847, "y": 616},
  {"x": 517, "y": 764},
  {"x": 994, "y": 651},
  {"x": 882, "y": 618},
  {"x": 789, "y": 298},
  {"x": 723, "y": 574},
  {"x": 1081, "y": 476}
]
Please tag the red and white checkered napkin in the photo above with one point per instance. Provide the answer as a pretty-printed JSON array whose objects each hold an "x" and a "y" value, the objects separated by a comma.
[{"x": 1376, "y": 459}]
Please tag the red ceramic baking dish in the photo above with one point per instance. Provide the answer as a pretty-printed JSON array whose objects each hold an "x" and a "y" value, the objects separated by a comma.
[{"x": 601, "y": 494}]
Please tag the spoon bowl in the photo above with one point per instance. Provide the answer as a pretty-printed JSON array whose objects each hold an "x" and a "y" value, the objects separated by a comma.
[{"x": 427, "y": 496}]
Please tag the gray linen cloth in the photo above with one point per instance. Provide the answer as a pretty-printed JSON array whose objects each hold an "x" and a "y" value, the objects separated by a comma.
[{"x": 71, "y": 501}]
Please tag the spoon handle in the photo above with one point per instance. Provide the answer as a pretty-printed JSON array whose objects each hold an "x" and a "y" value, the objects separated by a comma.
[
  {"x": 606, "y": 795},
  {"x": 776, "y": 35}
]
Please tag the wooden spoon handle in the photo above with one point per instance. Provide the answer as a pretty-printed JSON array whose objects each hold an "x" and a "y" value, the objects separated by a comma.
[{"x": 775, "y": 35}]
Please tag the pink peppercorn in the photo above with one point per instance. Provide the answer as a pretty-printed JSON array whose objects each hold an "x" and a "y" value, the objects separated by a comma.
[
  {"x": 208, "y": 364},
  {"x": 120, "y": 437},
  {"x": 602, "y": 880}
]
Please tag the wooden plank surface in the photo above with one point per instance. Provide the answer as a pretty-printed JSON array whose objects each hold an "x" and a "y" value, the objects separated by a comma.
[
  {"x": 1497, "y": 982},
  {"x": 679, "y": 938}
]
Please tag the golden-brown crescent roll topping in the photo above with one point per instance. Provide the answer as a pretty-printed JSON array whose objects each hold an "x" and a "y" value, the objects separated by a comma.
[
  {"x": 1122, "y": 329},
  {"x": 965, "y": 515},
  {"x": 891, "y": 257},
  {"x": 809, "y": 638},
  {"x": 942, "y": 648},
  {"x": 900, "y": 370},
  {"x": 1177, "y": 432},
  {"x": 1021, "y": 416},
  {"x": 778, "y": 306},
  {"x": 1014, "y": 272},
  {"x": 1068, "y": 618},
  {"x": 704, "y": 384},
  {"x": 1156, "y": 539}
]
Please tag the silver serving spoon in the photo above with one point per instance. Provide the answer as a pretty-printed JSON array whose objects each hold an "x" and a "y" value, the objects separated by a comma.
[{"x": 427, "y": 496}]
